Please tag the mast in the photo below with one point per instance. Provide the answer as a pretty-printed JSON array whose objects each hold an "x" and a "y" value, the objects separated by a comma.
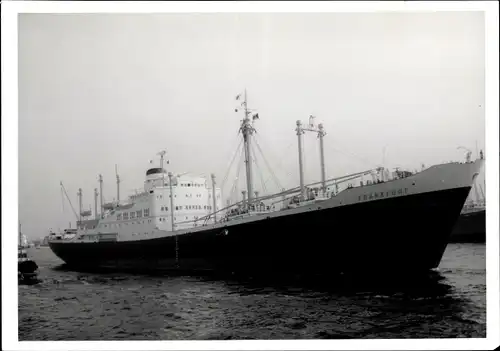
[
  {"x": 162, "y": 154},
  {"x": 300, "y": 131},
  {"x": 171, "y": 200},
  {"x": 321, "y": 134},
  {"x": 247, "y": 130},
  {"x": 243, "y": 192},
  {"x": 117, "y": 184},
  {"x": 213, "y": 198},
  {"x": 100, "y": 189},
  {"x": 20, "y": 235},
  {"x": 80, "y": 202},
  {"x": 96, "y": 194}
]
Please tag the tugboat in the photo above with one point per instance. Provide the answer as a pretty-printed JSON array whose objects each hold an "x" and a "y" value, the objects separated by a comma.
[{"x": 27, "y": 269}]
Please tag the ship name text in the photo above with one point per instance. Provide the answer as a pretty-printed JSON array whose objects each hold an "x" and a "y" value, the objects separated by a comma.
[{"x": 383, "y": 194}]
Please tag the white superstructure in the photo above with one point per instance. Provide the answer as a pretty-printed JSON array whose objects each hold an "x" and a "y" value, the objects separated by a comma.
[{"x": 149, "y": 213}]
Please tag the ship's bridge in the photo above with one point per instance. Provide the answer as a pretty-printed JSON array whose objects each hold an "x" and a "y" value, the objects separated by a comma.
[
  {"x": 155, "y": 171},
  {"x": 155, "y": 177}
]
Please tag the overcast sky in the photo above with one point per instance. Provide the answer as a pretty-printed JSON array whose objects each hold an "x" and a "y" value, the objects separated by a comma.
[{"x": 99, "y": 90}]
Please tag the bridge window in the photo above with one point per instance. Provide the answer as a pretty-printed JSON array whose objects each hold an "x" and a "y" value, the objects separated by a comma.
[
  {"x": 125, "y": 216},
  {"x": 139, "y": 213},
  {"x": 132, "y": 215},
  {"x": 146, "y": 212},
  {"x": 119, "y": 217}
]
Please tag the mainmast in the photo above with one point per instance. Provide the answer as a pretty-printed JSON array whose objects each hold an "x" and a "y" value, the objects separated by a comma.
[
  {"x": 321, "y": 133},
  {"x": 247, "y": 130}
]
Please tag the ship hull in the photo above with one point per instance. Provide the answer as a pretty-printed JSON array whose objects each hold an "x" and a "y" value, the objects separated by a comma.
[
  {"x": 407, "y": 233},
  {"x": 470, "y": 228}
]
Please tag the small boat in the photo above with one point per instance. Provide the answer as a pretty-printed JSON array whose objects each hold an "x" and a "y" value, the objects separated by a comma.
[{"x": 27, "y": 269}]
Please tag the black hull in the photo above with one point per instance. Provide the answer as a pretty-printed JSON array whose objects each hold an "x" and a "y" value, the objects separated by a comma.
[
  {"x": 407, "y": 233},
  {"x": 470, "y": 228}
]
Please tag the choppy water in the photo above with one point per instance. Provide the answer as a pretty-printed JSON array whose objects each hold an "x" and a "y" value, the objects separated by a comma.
[{"x": 68, "y": 305}]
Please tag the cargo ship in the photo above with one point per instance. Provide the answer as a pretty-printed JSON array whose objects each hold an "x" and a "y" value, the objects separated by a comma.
[
  {"x": 471, "y": 225},
  {"x": 395, "y": 221}
]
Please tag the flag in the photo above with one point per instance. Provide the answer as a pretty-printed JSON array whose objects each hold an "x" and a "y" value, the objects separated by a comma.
[
  {"x": 256, "y": 116},
  {"x": 238, "y": 96},
  {"x": 150, "y": 161}
]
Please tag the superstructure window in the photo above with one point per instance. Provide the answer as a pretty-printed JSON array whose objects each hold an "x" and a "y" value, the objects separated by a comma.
[
  {"x": 119, "y": 217},
  {"x": 132, "y": 215},
  {"x": 139, "y": 213},
  {"x": 125, "y": 216},
  {"x": 146, "y": 212}
]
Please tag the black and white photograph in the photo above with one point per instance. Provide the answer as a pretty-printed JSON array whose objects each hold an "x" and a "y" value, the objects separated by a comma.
[{"x": 228, "y": 173}]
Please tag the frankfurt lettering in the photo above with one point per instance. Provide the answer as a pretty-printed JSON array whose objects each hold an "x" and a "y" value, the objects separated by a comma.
[{"x": 382, "y": 194}]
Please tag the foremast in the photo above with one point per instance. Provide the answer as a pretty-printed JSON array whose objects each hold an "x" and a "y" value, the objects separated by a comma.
[{"x": 247, "y": 130}]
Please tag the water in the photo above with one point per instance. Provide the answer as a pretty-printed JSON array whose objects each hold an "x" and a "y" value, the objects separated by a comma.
[{"x": 69, "y": 305}]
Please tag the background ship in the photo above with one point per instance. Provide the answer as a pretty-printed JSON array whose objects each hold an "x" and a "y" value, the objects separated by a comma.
[
  {"x": 395, "y": 221},
  {"x": 471, "y": 225}
]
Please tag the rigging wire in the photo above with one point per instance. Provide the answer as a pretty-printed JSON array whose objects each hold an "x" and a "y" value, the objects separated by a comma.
[
  {"x": 264, "y": 189},
  {"x": 268, "y": 166},
  {"x": 231, "y": 164},
  {"x": 294, "y": 190},
  {"x": 351, "y": 154},
  {"x": 281, "y": 160},
  {"x": 236, "y": 180},
  {"x": 235, "y": 140},
  {"x": 62, "y": 199}
]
